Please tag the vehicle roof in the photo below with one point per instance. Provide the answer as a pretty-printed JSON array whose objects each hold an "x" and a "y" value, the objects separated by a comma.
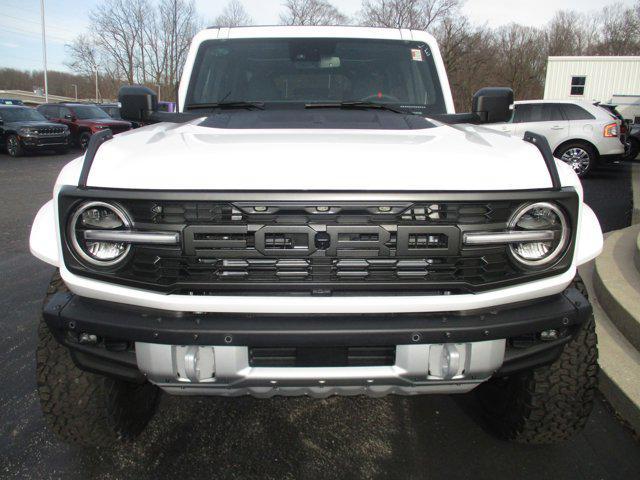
[
  {"x": 2, "y": 105},
  {"x": 283, "y": 31},
  {"x": 66, "y": 104},
  {"x": 597, "y": 111},
  {"x": 577, "y": 102}
]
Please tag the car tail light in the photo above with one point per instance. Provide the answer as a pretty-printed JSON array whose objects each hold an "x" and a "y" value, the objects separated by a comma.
[{"x": 611, "y": 130}]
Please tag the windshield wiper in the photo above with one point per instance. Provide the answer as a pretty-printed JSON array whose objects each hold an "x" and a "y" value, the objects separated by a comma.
[
  {"x": 357, "y": 104},
  {"x": 223, "y": 105}
]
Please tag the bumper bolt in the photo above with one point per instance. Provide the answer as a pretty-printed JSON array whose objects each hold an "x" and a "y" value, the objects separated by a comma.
[
  {"x": 228, "y": 339},
  {"x": 156, "y": 334},
  {"x": 72, "y": 325},
  {"x": 195, "y": 336},
  {"x": 447, "y": 334},
  {"x": 486, "y": 333},
  {"x": 565, "y": 321},
  {"x": 416, "y": 337}
]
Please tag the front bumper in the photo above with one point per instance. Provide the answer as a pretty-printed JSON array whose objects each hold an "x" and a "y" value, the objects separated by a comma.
[
  {"x": 35, "y": 142},
  {"x": 138, "y": 344}
]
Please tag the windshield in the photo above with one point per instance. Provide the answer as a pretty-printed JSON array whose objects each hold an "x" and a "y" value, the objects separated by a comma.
[
  {"x": 87, "y": 112},
  {"x": 302, "y": 71},
  {"x": 113, "y": 112},
  {"x": 21, "y": 115}
]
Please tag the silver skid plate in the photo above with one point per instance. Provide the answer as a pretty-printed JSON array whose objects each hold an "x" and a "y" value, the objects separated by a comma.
[{"x": 225, "y": 371}]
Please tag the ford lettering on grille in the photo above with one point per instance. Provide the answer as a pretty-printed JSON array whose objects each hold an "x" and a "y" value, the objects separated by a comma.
[{"x": 338, "y": 241}]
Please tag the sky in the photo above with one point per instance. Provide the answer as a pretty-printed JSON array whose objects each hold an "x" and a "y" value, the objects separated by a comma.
[{"x": 21, "y": 41}]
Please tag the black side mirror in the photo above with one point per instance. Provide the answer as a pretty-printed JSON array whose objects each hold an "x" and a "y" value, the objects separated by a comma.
[
  {"x": 137, "y": 103},
  {"x": 493, "y": 104}
]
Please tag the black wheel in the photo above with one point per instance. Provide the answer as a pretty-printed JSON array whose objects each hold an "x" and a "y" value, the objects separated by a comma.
[
  {"x": 578, "y": 155},
  {"x": 13, "y": 146},
  {"x": 83, "y": 140},
  {"x": 634, "y": 149},
  {"x": 548, "y": 404},
  {"x": 84, "y": 408}
]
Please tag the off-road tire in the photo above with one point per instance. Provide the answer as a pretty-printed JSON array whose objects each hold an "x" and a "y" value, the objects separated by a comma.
[
  {"x": 83, "y": 408},
  {"x": 83, "y": 140},
  {"x": 548, "y": 404}
]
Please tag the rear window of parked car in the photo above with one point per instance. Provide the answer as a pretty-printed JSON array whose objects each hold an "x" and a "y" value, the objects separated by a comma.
[
  {"x": 49, "y": 111},
  {"x": 575, "y": 112},
  {"x": 537, "y": 112}
]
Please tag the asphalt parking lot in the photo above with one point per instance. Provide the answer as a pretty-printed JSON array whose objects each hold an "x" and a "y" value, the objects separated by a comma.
[{"x": 396, "y": 437}]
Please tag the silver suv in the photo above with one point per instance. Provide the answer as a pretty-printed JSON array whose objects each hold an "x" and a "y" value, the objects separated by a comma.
[{"x": 579, "y": 133}]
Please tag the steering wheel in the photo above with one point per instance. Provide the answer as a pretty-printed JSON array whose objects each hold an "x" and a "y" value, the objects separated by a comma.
[{"x": 381, "y": 96}]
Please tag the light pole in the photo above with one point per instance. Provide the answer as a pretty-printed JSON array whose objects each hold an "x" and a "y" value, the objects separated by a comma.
[
  {"x": 75, "y": 87},
  {"x": 96, "y": 84},
  {"x": 44, "y": 53}
]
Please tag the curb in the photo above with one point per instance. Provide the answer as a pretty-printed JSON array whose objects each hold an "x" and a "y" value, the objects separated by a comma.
[
  {"x": 619, "y": 360},
  {"x": 616, "y": 282},
  {"x": 635, "y": 187}
]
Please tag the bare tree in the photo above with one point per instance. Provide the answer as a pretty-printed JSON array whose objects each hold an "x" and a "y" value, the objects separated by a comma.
[
  {"x": 571, "y": 33},
  {"x": 312, "y": 12},
  {"x": 415, "y": 14},
  {"x": 520, "y": 61},
  {"x": 180, "y": 22},
  {"x": 84, "y": 55},
  {"x": 233, "y": 15},
  {"x": 115, "y": 31},
  {"x": 620, "y": 30},
  {"x": 465, "y": 48}
]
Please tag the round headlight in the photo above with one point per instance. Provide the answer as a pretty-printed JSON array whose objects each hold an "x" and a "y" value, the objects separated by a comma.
[
  {"x": 545, "y": 217},
  {"x": 99, "y": 216}
]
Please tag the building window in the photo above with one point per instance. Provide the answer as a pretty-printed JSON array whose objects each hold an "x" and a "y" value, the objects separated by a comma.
[{"x": 577, "y": 85}]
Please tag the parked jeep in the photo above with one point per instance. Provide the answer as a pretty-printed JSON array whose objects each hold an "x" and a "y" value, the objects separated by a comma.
[
  {"x": 83, "y": 120},
  {"x": 316, "y": 220},
  {"x": 23, "y": 130}
]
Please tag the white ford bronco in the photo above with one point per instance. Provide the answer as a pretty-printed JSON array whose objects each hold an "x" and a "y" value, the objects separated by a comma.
[{"x": 316, "y": 220}]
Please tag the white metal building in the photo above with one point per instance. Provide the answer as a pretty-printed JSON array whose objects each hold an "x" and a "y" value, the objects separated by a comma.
[{"x": 593, "y": 78}]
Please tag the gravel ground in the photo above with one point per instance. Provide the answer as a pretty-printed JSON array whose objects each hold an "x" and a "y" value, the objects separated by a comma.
[{"x": 396, "y": 437}]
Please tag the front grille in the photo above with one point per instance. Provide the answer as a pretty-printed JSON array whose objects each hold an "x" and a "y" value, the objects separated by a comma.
[
  {"x": 49, "y": 131},
  {"x": 217, "y": 212},
  {"x": 319, "y": 247},
  {"x": 157, "y": 267},
  {"x": 322, "y": 356}
]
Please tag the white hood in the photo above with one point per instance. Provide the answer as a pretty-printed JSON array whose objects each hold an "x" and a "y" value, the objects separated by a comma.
[{"x": 191, "y": 157}]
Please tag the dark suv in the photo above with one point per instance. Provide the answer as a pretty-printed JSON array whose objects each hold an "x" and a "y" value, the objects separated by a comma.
[
  {"x": 24, "y": 129},
  {"x": 83, "y": 120},
  {"x": 113, "y": 110},
  {"x": 633, "y": 141}
]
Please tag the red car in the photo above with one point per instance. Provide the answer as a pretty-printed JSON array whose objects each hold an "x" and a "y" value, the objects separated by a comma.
[{"x": 83, "y": 120}]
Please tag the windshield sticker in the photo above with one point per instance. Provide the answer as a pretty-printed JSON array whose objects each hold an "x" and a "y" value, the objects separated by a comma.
[{"x": 416, "y": 55}]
